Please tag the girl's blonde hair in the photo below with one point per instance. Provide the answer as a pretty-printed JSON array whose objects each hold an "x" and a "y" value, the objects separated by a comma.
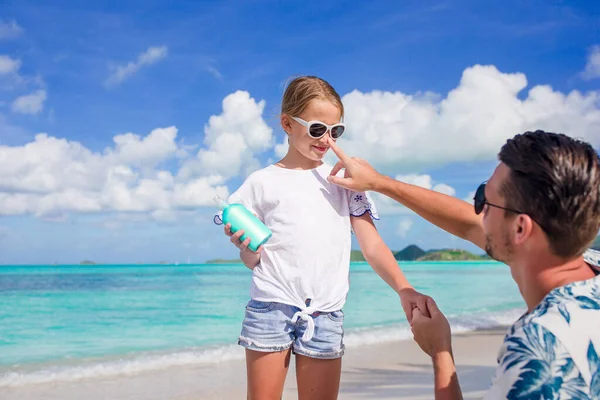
[{"x": 300, "y": 91}]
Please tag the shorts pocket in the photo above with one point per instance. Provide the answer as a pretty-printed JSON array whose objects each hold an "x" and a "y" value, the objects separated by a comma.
[
  {"x": 259, "y": 306},
  {"x": 337, "y": 316}
]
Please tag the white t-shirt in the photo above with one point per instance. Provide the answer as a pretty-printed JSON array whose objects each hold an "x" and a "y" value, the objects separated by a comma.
[{"x": 308, "y": 255}]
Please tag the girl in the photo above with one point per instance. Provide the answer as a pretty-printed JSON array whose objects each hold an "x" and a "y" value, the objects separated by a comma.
[{"x": 300, "y": 276}]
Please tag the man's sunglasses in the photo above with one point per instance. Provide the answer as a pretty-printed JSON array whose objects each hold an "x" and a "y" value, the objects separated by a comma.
[
  {"x": 480, "y": 201},
  {"x": 317, "y": 129}
]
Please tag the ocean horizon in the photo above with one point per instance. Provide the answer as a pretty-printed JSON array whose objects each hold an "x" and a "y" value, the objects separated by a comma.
[{"x": 70, "y": 322}]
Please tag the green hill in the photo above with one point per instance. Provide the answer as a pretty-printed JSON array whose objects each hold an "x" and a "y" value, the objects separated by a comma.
[
  {"x": 356, "y": 256},
  {"x": 222, "y": 261},
  {"x": 409, "y": 253},
  {"x": 415, "y": 253},
  {"x": 449, "y": 255}
]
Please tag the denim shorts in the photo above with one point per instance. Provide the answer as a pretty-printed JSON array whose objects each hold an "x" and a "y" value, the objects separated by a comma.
[{"x": 268, "y": 327}]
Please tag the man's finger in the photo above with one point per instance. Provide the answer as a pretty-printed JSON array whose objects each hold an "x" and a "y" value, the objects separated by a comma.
[
  {"x": 432, "y": 307},
  {"x": 338, "y": 180},
  {"x": 422, "y": 307},
  {"x": 338, "y": 152},
  {"x": 337, "y": 168}
]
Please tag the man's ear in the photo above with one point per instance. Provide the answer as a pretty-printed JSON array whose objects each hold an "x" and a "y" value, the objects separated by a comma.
[{"x": 523, "y": 228}]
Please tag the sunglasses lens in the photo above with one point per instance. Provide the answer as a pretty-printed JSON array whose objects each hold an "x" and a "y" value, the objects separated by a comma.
[
  {"x": 479, "y": 199},
  {"x": 337, "y": 131},
  {"x": 317, "y": 130}
]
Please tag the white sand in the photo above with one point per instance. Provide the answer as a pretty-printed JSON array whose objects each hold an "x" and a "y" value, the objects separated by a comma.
[{"x": 394, "y": 370}]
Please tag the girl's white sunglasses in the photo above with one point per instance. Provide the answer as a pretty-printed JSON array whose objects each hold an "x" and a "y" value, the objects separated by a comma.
[{"x": 317, "y": 129}]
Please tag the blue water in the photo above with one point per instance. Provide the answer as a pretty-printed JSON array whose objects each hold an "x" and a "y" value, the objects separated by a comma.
[{"x": 145, "y": 317}]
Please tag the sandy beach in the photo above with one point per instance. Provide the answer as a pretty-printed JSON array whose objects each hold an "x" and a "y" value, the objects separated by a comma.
[{"x": 392, "y": 370}]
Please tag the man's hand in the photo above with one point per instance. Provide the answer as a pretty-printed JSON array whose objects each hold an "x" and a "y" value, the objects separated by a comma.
[
  {"x": 411, "y": 299},
  {"x": 358, "y": 175},
  {"x": 432, "y": 334}
]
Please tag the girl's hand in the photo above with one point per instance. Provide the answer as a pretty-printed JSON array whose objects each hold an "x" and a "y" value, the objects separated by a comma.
[
  {"x": 235, "y": 239},
  {"x": 411, "y": 299}
]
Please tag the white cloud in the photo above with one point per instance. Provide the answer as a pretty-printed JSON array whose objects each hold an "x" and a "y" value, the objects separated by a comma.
[
  {"x": 215, "y": 72},
  {"x": 10, "y": 76},
  {"x": 50, "y": 176},
  {"x": 417, "y": 180},
  {"x": 10, "y": 29},
  {"x": 404, "y": 226},
  {"x": 443, "y": 188},
  {"x": 131, "y": 149},
  {"x": 592, "y": 67},
  {"x": 31, "y": 103},
  {"x": 398, "y": 132},
  {"x": 388, "y": 206},
  {"x": 150, "y": 56},
  {"x": 426, "y": 182},
  {"x": 281, "y": 149},
  {"x": 469, "y": 198},
  {"x": 232, "y": 139},
  {"x": 9, "y": 65}
]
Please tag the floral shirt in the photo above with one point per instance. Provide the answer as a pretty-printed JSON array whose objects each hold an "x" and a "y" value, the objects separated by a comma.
[{"x": 553, "y": 352}]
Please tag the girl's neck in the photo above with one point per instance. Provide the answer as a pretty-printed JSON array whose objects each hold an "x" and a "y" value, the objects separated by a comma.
[{"x": 294, "y": 160}]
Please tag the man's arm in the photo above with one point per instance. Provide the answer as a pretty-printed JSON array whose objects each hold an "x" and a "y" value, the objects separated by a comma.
[
  {"x": 446, "y": 380},
  {"x": 433, "y": 336},
  {"x": 449, "y": 213}
]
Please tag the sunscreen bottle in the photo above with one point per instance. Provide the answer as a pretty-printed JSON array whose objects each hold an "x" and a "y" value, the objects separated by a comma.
[{"x": 241, "y": 218}]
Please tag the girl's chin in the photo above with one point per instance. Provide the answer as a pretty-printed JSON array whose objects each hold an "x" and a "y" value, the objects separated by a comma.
[{"x": 317, "y": 154}]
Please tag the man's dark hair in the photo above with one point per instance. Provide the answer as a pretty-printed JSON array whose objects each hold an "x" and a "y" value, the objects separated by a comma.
[{"x": 555, "y": 179}]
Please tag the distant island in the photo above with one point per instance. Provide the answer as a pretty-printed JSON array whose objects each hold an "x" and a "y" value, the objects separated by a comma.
[
  {"x": 222, "y": 261},
  {"x": 415, "y": 253},
  {"x": 409, "y": 253}
]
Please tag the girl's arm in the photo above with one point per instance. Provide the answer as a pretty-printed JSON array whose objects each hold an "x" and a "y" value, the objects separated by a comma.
[{"x": 381, "y": 259}]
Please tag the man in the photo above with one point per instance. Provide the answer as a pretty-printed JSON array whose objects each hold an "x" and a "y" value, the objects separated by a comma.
[{"x": 538, "y": 213}]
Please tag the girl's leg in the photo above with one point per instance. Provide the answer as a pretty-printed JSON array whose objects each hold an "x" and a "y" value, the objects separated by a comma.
[
  {"x": 318, "y": 378},
  {"x": 266, "y": 374}
]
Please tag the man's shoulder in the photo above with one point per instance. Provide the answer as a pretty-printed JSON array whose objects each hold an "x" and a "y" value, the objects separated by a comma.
[
  {"x": 592, "y": 257},
  {"x": 572, "y": 310},
  {"x": 568, "y": 305},
  {"x": 567, "y": 318}
]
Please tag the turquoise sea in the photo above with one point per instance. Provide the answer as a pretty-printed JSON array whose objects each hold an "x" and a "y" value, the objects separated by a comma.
[{"x": 61, "y": 323}]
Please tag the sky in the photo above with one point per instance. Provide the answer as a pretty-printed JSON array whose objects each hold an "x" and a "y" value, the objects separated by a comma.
[{"x": 119, "y": 121}]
